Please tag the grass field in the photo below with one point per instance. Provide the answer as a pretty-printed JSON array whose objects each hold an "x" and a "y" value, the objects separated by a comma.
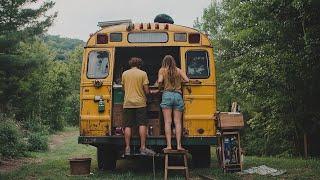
[{"x": 54, "y": 165}]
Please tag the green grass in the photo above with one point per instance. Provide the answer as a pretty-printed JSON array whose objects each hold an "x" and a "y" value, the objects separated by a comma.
[{"x": 54, "y": 165}]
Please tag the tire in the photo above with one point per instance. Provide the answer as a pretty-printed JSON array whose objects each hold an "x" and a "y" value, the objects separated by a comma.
[
  {"x": 107, "y": 157},
  {"x": 201, "y": 156}
]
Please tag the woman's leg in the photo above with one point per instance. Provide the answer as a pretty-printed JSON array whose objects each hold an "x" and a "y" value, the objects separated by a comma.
[
  {"x": 167, "y": 116},
  {"x": 178, "y": 124}
]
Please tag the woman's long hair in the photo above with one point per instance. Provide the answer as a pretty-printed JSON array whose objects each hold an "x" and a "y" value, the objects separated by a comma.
[{"x": 169, "y": 64}]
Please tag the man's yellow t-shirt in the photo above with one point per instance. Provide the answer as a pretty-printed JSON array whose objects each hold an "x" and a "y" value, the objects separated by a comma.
[{"x": 132, "y": 82}]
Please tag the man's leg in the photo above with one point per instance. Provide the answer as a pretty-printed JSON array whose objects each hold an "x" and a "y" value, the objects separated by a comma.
[
  {"x": 127, "y": 137},
  {"x": 143, "y": 136},
  {"x": 127, "y": 118},
  {"x": 141, "y": 117}
]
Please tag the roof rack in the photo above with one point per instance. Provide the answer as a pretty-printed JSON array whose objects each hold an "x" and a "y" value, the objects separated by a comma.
[{"x": 113, "y": 23}]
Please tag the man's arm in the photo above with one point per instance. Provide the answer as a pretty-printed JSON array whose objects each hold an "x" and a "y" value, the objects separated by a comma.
[
  {"x": 146, "y": 84},
  {"x": 146, "y": 89},
  {"x": 122, "y": 82}
]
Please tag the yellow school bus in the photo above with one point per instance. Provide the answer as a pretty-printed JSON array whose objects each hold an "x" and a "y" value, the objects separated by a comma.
[{"x": 106, "y": 56}]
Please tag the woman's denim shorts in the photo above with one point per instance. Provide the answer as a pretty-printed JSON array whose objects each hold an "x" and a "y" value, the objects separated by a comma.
[{"x": 172, "y": 100}]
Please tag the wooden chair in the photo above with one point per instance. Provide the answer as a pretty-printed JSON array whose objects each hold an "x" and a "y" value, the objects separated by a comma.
[{"x": 167, "y": 153}]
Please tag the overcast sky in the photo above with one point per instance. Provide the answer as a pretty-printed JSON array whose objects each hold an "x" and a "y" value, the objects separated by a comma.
[{"x": 79, "y": 18}]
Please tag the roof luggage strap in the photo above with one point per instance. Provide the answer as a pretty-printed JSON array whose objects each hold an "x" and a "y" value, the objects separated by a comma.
[{"x": 113, "y": 23}]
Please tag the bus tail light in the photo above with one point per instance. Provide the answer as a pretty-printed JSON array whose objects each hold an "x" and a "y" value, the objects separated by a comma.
[
  {"x": 130, "y": 27},
  {"x": 166, "y": 27},
  {"x": 185, "y": 132},
  {"x": 102, "y": 38},
  {"x": 194, "y": 38},
  {"x": 200, "y": 131}
]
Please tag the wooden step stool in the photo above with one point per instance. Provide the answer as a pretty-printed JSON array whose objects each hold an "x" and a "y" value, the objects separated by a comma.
[{"x": 166, "y": 162}]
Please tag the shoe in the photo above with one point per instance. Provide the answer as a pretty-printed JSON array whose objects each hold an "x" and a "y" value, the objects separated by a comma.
[
  {"x": 127, "y": 152},
  {"x": 147, "y": 152}
]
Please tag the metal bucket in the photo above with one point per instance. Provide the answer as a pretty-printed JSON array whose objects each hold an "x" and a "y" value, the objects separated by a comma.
[{"x": 80, "y": 166}]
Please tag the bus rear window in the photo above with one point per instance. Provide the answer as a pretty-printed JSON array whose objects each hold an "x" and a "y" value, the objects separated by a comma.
[
  {"x": 197, "y": 64},
  {"x": 98, "y": 64},
  {"x": 145, "y": 37}
]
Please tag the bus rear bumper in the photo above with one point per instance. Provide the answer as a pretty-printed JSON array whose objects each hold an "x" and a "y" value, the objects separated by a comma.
[{"x": 152, "y": 141}]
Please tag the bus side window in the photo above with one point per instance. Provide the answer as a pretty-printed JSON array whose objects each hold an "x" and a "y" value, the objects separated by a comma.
[
  {"x": 98, "y": 64},
  {"x": 197, "y": 64}
]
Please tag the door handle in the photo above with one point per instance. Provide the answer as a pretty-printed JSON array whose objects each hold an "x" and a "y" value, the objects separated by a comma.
[
  {"x": 97, "y": 98},
  {"x": 97, "y": 83},
  {"x": 195, "y": 81}
]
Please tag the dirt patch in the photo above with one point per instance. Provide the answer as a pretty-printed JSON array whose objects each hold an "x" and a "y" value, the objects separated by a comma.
[
  {"x": 9, "y": 165},
  {"x": 57, "y": 139}
]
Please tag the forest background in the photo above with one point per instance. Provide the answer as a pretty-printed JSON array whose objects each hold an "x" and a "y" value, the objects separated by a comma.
[{"x": 266, "y": 55}]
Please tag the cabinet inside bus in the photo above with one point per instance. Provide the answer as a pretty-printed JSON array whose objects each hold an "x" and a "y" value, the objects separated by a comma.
[{"x": 152, "y": 60}]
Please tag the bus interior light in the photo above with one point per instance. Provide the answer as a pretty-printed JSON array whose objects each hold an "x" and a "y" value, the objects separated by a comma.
[
  {"x": 194, "y": 38},
  {"x": 102, "y": 38}
]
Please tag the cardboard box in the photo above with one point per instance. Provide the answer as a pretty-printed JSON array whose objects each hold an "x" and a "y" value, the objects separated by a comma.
[
  {"x": 229, "y": 120},
  {"x": 153, "y": 125},
  {"x": 117, "y": 115},
  {"x": 154, "y": 106}
]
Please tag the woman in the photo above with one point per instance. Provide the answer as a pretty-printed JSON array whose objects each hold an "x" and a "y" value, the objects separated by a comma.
[{"x": 171, "y": 77}]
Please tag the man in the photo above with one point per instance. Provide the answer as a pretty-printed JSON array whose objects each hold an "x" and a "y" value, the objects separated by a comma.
[{"x": 135, "y": 85}]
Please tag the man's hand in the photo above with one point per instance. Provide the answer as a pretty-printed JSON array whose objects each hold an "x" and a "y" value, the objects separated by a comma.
[
  {"x": 154, "y": 91},
  {"x": 146, "y": 89}
]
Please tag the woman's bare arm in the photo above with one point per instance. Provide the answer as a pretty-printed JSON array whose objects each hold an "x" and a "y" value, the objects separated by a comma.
[
  {"x": 184, "y": 76},
  {"x": 160, "y": 76}
]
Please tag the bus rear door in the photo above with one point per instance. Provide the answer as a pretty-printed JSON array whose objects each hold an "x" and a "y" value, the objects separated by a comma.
[
  {"x": 200, "y": 93},
  {"x": 96, "y": 92}
]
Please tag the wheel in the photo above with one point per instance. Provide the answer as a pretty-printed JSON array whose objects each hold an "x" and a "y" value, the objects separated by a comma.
[
  {"x": 107, "y": 157},
  {"x": 201, "y": 156}
]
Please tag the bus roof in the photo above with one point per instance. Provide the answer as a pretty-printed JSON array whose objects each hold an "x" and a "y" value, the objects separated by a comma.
[{"x": 157, "y": 28}]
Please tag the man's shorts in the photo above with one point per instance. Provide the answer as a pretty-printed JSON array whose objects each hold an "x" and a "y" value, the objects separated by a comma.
[
  {"x": 135, "y": 117},
  {"x": 172, "y": 100}
]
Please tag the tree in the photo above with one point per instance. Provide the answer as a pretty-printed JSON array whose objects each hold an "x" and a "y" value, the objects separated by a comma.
[
  {"x": 267, "y": 60},
  {"x": 50, "y": 94},
  {"x": 18, "y": 24}
]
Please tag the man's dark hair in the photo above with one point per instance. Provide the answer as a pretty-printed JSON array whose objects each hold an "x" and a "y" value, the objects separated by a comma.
[{"x": 135, "y": 62}]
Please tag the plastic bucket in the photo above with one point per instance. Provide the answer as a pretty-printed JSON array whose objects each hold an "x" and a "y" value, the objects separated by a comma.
[{"x": 80, "y": 166}]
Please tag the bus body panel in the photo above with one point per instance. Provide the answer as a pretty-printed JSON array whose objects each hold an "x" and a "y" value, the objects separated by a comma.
[{"x": 199, "y": 99}]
